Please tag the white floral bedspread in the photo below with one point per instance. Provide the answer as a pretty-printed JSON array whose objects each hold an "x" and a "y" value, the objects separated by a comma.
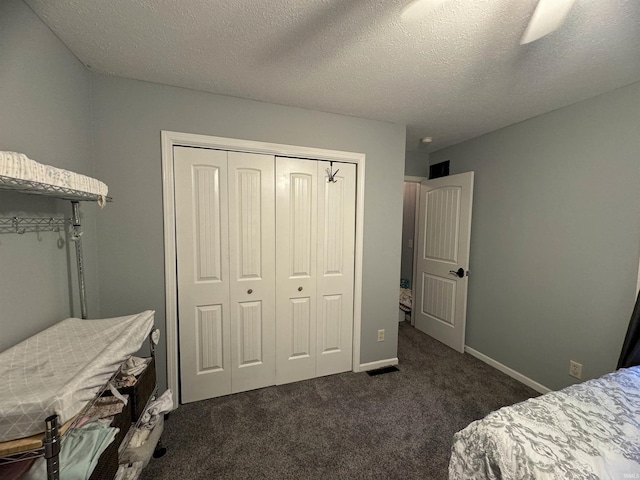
[{"x": 587, "y": 431}]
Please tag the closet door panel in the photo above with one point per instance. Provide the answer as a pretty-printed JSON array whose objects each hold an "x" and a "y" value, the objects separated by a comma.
[
  {"x": 210, "y": 338},
  {"x": 336, "y": 258},
  {"x": 299, "y": 328},
  {"x": 330, "y": 325},
  {"x": 252, "y": 270},
  {"x": 249, "y": 335},
  {"x": 296, "y": 310},
  {"x": 200, "y": 178}
]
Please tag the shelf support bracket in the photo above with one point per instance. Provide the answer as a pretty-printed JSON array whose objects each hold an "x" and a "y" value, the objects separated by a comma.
[{"x": 76, "y": 237}]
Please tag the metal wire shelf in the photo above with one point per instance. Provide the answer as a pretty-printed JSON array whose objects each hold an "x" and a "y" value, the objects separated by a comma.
[
  {"x": 50, "y": 446},
  {"x": 19, "y": 457},
  {"x": 22, "y": 225},
  {"x": 37, "y": 188}
]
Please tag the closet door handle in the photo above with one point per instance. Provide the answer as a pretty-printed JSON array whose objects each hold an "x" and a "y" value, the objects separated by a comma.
[
  {"x": 250, "y": 291},
  {"x": 299, "y": 289}
]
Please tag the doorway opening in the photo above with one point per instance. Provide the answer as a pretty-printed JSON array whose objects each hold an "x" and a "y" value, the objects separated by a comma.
[{"x": 410, "y": 211}]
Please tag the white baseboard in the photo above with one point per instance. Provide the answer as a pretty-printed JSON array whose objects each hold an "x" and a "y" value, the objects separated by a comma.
[
  {"x": 509, "y": 371},
  {"x": 378, "y": 364}
]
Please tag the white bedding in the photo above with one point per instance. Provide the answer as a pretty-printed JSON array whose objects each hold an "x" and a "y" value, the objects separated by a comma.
[
  {"x": 61, "y": 368},
  {"x": 587, "y": 431},
  {"x": 405, "y": 300}
]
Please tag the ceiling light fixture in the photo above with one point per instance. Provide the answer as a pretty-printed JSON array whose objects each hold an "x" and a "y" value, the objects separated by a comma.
[
  {"x": 547, "y": 17},
  {"x": 417, "y": 9},
  {"x": 426, "y": 140}
]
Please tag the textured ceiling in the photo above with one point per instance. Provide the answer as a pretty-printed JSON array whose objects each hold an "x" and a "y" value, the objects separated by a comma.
[{"x": 458, "y": 73}]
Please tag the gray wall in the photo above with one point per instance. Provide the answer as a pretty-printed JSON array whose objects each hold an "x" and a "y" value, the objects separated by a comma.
[
  {"x": 416, "y": 164},
  {"x": 555, "y": 237},
  {"x": 45, "y": 113},
  {"x": 128, "y": 118}
]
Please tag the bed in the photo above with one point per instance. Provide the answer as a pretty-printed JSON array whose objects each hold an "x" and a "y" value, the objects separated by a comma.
[
  {"x": 59, "y": 370},
  {"x": 586, "y": 431},
  {"x": 405, "y": 304}
]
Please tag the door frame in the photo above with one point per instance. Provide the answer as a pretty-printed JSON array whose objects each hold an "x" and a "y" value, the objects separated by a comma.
[
  {"x": 416, "y": 218},
  {"x": 169, "y": 139}
]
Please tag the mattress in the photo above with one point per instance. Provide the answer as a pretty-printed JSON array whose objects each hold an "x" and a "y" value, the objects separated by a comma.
[
  {"x": 62, "y": 368},
  {"x": 587, "y": 431}
]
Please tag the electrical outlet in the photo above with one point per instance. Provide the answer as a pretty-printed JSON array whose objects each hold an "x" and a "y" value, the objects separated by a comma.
[
  {"x": 575, "y": 369},
  {"x": 381, "y": 335}
]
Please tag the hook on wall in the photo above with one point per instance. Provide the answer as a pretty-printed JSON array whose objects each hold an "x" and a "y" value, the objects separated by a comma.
[
  {"x": 16, "y": 222},
  {"x": 331, "y": 174},
  {"x": 53, "y": 226}
]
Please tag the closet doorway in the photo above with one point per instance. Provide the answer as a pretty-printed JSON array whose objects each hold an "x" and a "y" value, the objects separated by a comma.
[{"x": 266, "y": 263}]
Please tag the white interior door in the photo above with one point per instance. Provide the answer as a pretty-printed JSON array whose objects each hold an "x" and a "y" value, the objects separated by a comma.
[
  {"x": 315, "y": 232},
  {"x": 442, "y": 263},
  {"x": 202, "y": 234},
  {"x": 232, "y": 224},
  {"x": 336, "y": 263},
  {"x": 225, "y": 243},
  {"x": 252, "y": 270},
  {"x": 296, "y": 271}
]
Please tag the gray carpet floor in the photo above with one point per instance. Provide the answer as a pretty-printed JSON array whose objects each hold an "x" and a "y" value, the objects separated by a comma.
[{"x": 397, "y": 425}]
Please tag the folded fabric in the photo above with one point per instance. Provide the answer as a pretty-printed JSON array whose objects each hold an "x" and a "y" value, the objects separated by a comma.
[
  {"x": 79, "y": 454},
  {"x": 135, "y": 365},
  {"x": 163, "y": 404},
  {"x": 139, "y": 437},
  {"x": 106, "y": 407},
  {"x": 125, "y": 381}
]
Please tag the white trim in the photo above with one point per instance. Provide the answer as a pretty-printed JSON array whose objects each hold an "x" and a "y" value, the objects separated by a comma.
[
  {"x": 378, "y": 364},
  {"x": 416, "y": 227},
  {"x": 359, "y": 255},
  {"x": 638, "y": 284},
  {"x": 170, "y": 280},
  {"x": 169, "y": 140},
  {"x": 509, "y": 371},
  {"x": 409, "y": 178}
]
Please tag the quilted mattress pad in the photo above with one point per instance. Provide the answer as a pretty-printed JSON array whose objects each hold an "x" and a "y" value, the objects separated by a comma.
[{"x": 62, "y": 368}]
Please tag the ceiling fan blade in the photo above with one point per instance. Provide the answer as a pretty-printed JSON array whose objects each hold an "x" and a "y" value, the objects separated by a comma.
[
  {"x": 547, "y": 17},
  {"x": 418, "y": 9}
]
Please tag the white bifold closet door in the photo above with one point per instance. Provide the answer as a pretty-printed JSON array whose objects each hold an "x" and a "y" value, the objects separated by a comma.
[
  {"x": 315, "y": 235},
  {"x": 226, "y": 271},
  {"x": 265, "y": 267}
]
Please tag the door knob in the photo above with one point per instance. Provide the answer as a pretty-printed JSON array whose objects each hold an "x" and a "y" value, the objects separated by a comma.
[
  {"x": 299, "y": 289},
  {"x": 457, "y": 273},
  {"x": 249, "y": 291}
]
